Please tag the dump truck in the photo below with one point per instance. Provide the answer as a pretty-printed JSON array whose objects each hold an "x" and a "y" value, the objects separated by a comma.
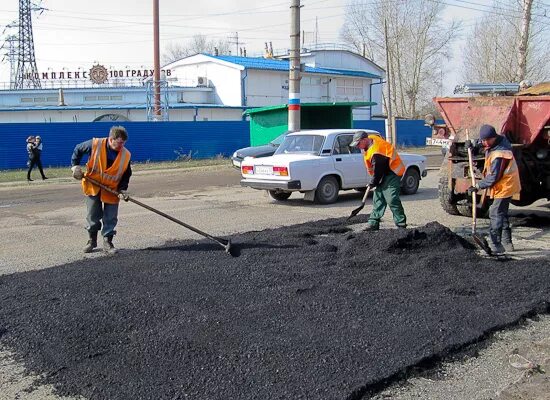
[{"x": 523, "y": 117}]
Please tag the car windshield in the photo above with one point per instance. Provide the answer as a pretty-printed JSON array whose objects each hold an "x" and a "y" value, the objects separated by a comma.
[
  {"x": 278, "y": 140},
  {"x": 310, "y": 144}
]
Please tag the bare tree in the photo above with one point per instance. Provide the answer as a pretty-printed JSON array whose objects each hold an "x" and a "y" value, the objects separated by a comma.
[
  {"x": 510, "y": 43},
  {"x": 197, "y": 44},
  {"x": 419, "y": 42}
]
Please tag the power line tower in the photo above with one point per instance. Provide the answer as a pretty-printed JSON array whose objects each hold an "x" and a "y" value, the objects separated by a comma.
[
  {"x": 10, "y": 47},
  {"x": 27, "y": 73}
]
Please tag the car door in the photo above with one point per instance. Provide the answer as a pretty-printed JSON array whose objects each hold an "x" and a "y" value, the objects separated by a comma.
[{"x": 349, "y": 162}]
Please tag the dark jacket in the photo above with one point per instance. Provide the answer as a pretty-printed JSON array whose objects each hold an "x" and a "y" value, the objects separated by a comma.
[{"x": 497, "y": 167}]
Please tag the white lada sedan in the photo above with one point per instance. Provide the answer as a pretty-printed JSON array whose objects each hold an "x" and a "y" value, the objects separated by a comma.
[{"x": 320, "y": 163}]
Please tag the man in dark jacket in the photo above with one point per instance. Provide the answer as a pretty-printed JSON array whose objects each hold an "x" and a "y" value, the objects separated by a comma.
[
  {"x": 34, "y": 149},
  {"x": 386, "y": 168},
  {"x": 501, "y": 179},
  {"x": 108, "y": 164}
]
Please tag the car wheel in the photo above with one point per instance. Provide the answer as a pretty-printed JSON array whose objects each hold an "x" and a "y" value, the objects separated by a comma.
[
  {"x": 410, "y": 182},
  {"x": 327, "y": 190},
  {"x": 278, "y": 195}
]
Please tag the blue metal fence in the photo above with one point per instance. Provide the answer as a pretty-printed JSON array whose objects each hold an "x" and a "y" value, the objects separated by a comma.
[
  {"x": 158, "y": 141},
  {"x": 409, "y": 132},
  {"x": 148, "y": 141}
]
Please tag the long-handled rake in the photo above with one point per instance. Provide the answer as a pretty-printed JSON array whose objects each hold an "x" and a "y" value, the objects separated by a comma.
[{"x": 226, "y": 244}]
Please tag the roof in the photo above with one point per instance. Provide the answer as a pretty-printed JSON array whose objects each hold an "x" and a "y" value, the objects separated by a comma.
[
  {"x": 272, "y": 64},
  {"x": 326, "y": 132},
  {"x": 352, "y": 104},
  {"x": 142, "y": 106}
]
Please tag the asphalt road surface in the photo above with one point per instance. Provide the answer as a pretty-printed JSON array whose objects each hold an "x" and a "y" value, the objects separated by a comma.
[{"x": 42, "y": 225}]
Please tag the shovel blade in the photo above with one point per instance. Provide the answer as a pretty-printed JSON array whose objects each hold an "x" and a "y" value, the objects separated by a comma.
[
  {"x": 482, "y": 244},
  {"x": 356, "y": 211}
]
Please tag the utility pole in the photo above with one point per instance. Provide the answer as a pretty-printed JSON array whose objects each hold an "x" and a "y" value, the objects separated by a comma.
[
  {"x": 524, "y": 41},
  {"x": 235, "y": 40},
  {"x": 294, "y": 68},
  {"x": 156, "y": 57},
  {"x": 390, "y": 136}
]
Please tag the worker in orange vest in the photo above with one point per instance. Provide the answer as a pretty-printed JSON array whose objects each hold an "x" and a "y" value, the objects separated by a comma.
[
  {"x": 501, "y": 179},
  {"x": 109, "y": 164},
  {"x": 386, "y": 168}
]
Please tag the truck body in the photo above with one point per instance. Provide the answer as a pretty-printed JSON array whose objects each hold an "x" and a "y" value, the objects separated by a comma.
[{"x": 524, "y": 119}]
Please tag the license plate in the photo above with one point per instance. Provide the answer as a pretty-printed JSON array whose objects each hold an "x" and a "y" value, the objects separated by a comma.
[
  {"x": 263, "y": 170},
  {"x": 437, "y": 142}
]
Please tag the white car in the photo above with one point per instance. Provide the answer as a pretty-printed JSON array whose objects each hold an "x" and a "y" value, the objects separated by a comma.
[{"x": 320, "y": 163}]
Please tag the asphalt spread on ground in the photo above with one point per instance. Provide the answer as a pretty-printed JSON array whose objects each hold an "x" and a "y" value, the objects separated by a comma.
[{"x": 313, "y": 311}]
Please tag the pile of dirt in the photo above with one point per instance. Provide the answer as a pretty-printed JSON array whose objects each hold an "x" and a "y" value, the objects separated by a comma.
[{"x": 314, "y": 310}]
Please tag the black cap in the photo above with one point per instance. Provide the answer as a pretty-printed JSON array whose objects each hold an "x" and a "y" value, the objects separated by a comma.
[{"x": 357, "y": 138}]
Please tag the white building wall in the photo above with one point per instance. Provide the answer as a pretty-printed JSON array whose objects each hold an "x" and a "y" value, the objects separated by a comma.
[
  {"x": 341, "y": 60},
  {"x": 225, "y": 80}
]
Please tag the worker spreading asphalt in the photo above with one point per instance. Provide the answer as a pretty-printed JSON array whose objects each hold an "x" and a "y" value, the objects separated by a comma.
[{"x": 307, "y": 311}]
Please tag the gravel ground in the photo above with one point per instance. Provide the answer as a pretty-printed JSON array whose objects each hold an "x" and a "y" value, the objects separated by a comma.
[{"x": 316, "y": 310}]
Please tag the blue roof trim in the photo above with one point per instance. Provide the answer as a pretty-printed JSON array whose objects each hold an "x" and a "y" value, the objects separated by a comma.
[
  {"x": 119, "y": 107},
  {"x": 282, "y": 65}
]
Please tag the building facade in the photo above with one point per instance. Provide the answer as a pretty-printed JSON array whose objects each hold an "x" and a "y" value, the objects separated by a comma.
[{"x": 203, "y": 88}]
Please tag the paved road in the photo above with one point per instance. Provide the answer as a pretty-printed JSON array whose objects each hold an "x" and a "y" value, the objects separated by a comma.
[{"x": 42, "y": 225}]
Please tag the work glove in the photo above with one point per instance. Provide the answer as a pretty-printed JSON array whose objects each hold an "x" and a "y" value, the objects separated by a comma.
[
  {"x": 472, "y": 190},
  {"x": 123, "y": 195},
  {"x": 468, "y": 144},
  {"x": 77, "y": 172}
]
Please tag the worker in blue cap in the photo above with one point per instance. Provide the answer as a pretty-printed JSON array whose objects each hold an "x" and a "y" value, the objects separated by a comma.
[{"x": 501, "y": 180}]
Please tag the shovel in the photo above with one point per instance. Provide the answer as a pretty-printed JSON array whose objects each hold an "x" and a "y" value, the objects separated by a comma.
[
  {"x": 226, "y": 244},
  {"x": 479, "y": 240},
  {"x": 358, "y": 209}
]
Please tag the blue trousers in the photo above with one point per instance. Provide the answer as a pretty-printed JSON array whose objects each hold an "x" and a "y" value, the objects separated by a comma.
[{"x": 98, "y": 212}]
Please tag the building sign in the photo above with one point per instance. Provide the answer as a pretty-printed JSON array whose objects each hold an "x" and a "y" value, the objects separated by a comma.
[{"x": 98, "y": 74}]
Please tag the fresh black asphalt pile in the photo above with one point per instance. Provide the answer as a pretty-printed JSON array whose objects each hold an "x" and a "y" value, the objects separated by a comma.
[{"x": 310, "y": 311}]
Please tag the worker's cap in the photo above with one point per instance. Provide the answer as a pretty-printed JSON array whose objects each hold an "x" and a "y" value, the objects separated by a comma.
[
  {"x": 487, "y": 132},
  {"x": 357, "y": 138},
  {"x": 38, "y": 137},
  {"x": 30, "y": 139}
]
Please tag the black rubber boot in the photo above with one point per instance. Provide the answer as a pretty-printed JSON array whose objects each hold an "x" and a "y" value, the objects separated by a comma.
[
  {"x": 108, "y": 246},
  {"x": 507, "y": 240},
  {"x": 92, "y": 242},
  {"x": 495, "y": 242}
]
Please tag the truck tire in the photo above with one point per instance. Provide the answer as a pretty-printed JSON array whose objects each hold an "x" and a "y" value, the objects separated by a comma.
[
  {"x": 327, "y": 190},
  {"x": 466, "y": 210},
  {"x": 278, "y": 195},
  {"x": 410, "y": 182},
  {"x": 445, "y": 194}
]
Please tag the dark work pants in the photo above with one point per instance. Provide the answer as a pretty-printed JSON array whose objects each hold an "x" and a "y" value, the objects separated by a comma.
[
  {"x": 498, "y": 213},
  {"x": 32, "y": 162}
]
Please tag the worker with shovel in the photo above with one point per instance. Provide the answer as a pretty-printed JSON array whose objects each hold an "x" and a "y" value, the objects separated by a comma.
[
  {"x": 386, "y": 168},
  {"x": 501, "y": 179},
  {"x": 109, "y": 164}
]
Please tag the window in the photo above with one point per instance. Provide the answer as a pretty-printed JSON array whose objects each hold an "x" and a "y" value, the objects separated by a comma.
[
  {"x": 26, "y": 99},
  {"x": 90, "y": 98},
  {"x": 342, "y": 145},
  {"x": 351, "y": 88},
  {"x": 116, "y": 98},
  {"x": 103, "y": 98},
  {"x": 301, "y": 144}
]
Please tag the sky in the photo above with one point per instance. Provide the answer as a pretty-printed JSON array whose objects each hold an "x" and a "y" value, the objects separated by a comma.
[{"x": 119, "y": 33}]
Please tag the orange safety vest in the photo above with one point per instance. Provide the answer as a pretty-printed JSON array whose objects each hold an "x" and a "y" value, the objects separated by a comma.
[
  {"x": 380, "y": 146},
  {"x": 509, "y": 185},
  {"x": 96, "y": 168}
]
